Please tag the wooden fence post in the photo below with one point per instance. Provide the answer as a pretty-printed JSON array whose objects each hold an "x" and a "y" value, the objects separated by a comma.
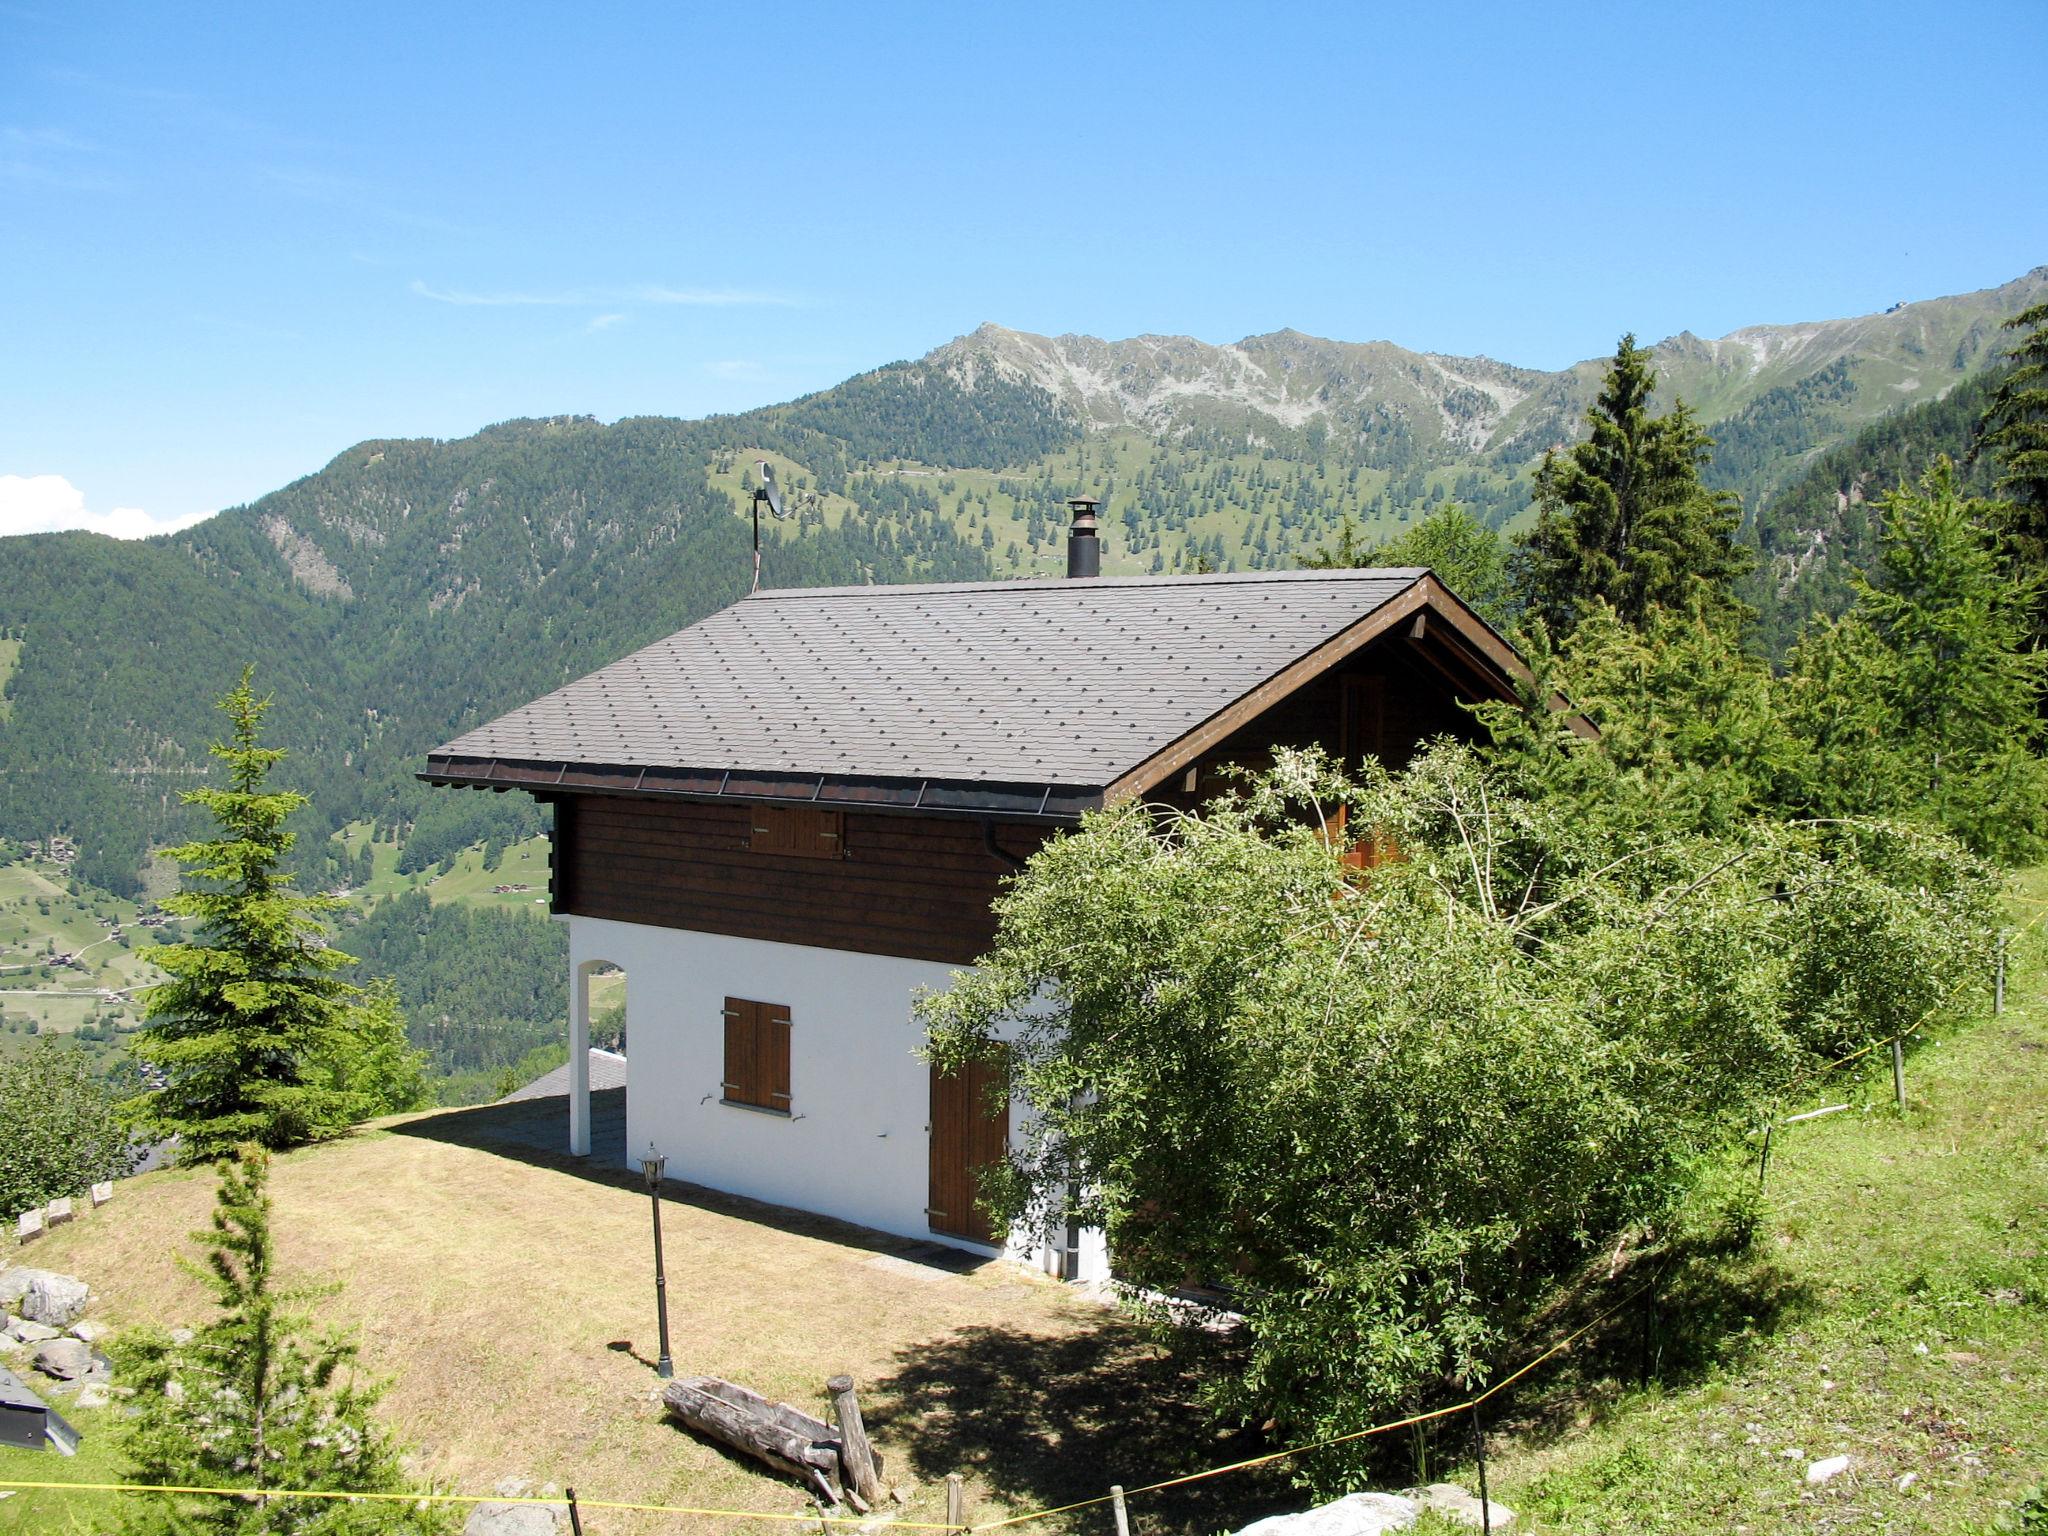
[
  {"x": 1123, "y": 1517},
  {"x": 956, "y": 1502},
  {"x": 854, "y": 1449},
  {"x": 1998, "y": 996}
]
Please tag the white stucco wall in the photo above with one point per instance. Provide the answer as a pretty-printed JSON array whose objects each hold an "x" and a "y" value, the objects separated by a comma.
[{"x": 855, "y": 1142}]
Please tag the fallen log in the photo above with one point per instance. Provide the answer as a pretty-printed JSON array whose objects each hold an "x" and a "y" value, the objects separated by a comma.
[{"x": 771, "y": 1432}]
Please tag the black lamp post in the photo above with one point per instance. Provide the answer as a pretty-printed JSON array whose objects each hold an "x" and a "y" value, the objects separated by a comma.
[{"x": 651, "y": 1165}]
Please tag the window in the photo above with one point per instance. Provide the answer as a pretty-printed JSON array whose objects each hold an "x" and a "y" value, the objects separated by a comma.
[
  {"x": 798, "y": 830},
  {"x": 757, "y": 1055}
]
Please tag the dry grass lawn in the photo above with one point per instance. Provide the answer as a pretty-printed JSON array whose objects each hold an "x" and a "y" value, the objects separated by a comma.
[{"x": 507, "y": 1295}]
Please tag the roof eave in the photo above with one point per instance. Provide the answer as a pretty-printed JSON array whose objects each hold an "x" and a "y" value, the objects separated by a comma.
[{"x": 1054, "y": 804}]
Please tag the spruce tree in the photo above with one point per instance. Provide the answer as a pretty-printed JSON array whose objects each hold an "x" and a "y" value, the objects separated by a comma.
[
  {"x": 256, "y": 1400},
  {"x": 1624, "y": 516},
  {"x": 1964, "y": 685},
  {"x": 2016, "y": 431},
  {"x": 240, "y": 1035}
]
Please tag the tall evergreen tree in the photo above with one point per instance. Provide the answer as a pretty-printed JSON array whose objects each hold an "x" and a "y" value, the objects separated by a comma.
[
  {"x": 256, "y": 1400},
  {"x": 1624, "y": 516},
  {"x": 253, "y": 1006},
  {"x": 1927, "y": 695},
  {"x": 2016, "y": 431}
]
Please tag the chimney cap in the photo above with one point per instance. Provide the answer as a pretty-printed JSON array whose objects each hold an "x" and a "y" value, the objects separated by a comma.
[{"x": 1084, "y": 503}]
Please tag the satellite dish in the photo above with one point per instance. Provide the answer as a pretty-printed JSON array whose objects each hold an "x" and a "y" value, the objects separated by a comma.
[{"x": 768, "y": 490}]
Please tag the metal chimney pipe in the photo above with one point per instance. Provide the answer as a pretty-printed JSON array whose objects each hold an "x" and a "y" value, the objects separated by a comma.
[{"x": 1084, "y": 545}]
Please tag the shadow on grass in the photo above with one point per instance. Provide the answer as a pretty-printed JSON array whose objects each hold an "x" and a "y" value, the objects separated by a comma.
[
  {"x": 535, "y": 1132},
  {"x": 1045, "y": 1421},
  {"x": 1702, "y": 1307}
]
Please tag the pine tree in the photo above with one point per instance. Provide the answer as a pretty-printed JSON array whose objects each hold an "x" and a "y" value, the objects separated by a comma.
[
  {"x": 256, "y": 1400},
  {"x": 253, "y": 1007},
  {"x": 1624, "y": 516},
  {"x": 2016, "y": 431},
  {"x": 1964, "y": 685}
]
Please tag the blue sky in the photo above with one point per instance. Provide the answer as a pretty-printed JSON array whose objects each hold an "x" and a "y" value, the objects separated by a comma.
[{"x": 236, "y": 239}]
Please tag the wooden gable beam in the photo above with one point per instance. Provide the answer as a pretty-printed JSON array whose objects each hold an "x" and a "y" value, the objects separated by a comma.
[{"x": 1435, "y": 616}]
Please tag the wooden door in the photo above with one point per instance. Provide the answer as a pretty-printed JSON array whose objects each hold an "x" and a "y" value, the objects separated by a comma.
[{"x": 970, "y": 1129}]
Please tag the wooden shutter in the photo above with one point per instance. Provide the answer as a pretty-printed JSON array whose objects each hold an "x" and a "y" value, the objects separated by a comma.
[
  {"x": 756, "y": 1054},
  {"x": 799, "y": 831}
]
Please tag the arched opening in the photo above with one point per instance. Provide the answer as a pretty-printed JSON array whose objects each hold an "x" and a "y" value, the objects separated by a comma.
[{"x": 597, "y": 1060}]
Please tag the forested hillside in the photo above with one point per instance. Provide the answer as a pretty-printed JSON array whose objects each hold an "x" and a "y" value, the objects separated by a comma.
[{"x": 413, "y": 587}]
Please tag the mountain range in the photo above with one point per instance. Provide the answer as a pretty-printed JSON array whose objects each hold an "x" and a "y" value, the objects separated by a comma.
[{"x": 413, "y": 587}]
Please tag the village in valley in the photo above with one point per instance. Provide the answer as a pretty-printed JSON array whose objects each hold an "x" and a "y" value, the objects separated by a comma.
[{"x": 1109, "y": 934}]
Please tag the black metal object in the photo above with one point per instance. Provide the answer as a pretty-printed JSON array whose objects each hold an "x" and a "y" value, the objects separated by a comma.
[
  {"x": 1479, "y": 1453},
  {"x": 575, "y": 1519},
  {"x": 28, "y": 1423},
  {"x": 1084, "y": 542},
  {"x": 652, "y": 1166}
]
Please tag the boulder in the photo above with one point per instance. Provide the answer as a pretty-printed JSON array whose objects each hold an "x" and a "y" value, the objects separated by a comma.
[
  {"x": 88, "y": 1330},
  {"x": 1356, "y": 1514},
  {"x": 57, "y": 1212},
  {"x": 1454, "y": 1503},
  {"x": 517, "y": 1520},
  {"x": 65, "y": 1359},
  {"x": 28, "y": 1226},
  {"x": 94, "y": 1394},
  {"x": 13, "y": 1281},
  {"x": 58, "y": 1300},
  {"x": 1826, "y": 1468},
  {"x": 32, "y": 1333}
]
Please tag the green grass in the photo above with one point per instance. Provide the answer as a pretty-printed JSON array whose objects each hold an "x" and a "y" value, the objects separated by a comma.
[
  {"x": 1894, "y": 1310},
  {"x": 99, "y": 1460},
  {"x": 524, "y": 863},
  {"x": 40, "y": 913}
]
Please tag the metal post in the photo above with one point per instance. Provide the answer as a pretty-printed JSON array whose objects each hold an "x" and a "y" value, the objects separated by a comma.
[
  {"x": 652, "y": 1166},
  {"x": 1763, "y": 1164},
  {"x": 1899, "y": 1073},
  {"x": 1998, "y": 997},
  {"x": 1479, "y": 1452},
  {"x": 1116, "y": 1501},
  {"x": 575, "y": 1519}
]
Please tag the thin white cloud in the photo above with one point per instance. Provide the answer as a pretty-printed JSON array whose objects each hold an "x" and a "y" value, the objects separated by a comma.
[
  {"x": 594, "y": 298},
  {"x": 51, "y": 504},
  {"x": 604, "y": 322}
]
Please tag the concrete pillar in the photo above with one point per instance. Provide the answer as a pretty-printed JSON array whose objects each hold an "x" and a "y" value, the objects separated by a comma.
[{"x": 579, "y": 1061}]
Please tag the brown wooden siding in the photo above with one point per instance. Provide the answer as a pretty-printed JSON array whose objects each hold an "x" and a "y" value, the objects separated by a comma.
[
  {"x": 1382, "y": 703},
  {"x": 915, "y": 886}
]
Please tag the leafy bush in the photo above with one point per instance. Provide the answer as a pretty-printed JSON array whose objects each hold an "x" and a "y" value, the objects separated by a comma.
[
  {"x": 1390, "y": 1110},
  {"x": 58, "y": 1132}
]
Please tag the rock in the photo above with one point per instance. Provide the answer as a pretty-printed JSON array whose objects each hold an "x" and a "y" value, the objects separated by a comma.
[
  {"x": 65, "y": 1359},
  {"x": 58, "y": 1300},
  {"x": 57, "y": 1212},
  {"x": 28, "y": 1227},
  {"x": 512, "y": 1487},
  {"x": 1454, "y": 1503},
  {"x": 101, "y": 1369},
  {"x": 94, "y": 1394},
  {"x": 517, "y": 1520},
  {"x": 32, "y": 1333},
  {"x": 1821, "y": 1471},
  {"x": 181, "y": 1336},
  {"x": 102, "y": 1193},
  {"x": 1356, "y": 1514},
  {"x": 13, "y": 1281},
  {"x": 88, "y": 1330}
]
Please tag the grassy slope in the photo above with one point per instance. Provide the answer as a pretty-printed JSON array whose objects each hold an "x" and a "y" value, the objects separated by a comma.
[
  {"x": 500, "y": 1294},
  {"x": 1896, "y": 1311},
  {"x": 468, "y": 881},
  {"x": 64, "y": 999}
]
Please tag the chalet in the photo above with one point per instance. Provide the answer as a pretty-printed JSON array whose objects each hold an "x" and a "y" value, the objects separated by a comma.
[{"x": 786, "y": 820}]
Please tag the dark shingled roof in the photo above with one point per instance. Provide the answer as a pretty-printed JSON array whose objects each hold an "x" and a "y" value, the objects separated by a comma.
[{"x": 1039, "y": 688}]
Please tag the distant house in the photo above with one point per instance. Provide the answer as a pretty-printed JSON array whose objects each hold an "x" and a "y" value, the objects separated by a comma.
[{"x": 785, "y": 820}]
